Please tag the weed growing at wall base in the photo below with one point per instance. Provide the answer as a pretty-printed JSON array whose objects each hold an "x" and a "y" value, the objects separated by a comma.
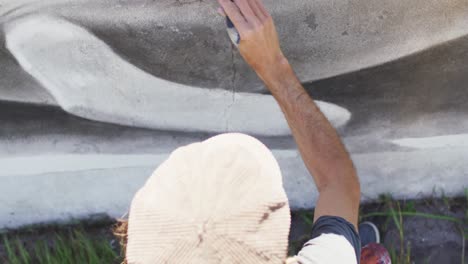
[
  {"x": 94, "y": 243},
  {"x": 394, "y": 212},
  {"x": 65, "y": 247}
]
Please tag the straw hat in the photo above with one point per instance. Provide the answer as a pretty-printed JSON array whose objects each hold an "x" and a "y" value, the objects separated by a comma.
[{"x": 218, "y": 201}]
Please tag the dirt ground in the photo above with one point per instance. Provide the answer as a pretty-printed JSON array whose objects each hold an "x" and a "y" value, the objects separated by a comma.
[
  {"x": 425, "y": 237},
  {"x": 433, "y": 230}
]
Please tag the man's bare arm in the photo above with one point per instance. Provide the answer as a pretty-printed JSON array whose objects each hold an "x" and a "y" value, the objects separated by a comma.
[{"x": 319, "y": 144}]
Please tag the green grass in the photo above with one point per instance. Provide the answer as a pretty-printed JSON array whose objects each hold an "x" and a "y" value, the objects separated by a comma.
[
  {"x": 74, "y": 245},
  {"x": 396, "y": 214},
  {"x": 466, "y": 212},
  {"x": 65, "y": 247}
]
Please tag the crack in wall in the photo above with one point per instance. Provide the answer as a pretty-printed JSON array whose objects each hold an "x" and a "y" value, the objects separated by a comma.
[
  {"x": 234, "y": 71},
  {"x": 233, "y": 86}
]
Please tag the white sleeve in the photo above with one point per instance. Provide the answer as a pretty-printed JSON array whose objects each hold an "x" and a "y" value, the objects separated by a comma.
[{"x": 327, "y": 249}]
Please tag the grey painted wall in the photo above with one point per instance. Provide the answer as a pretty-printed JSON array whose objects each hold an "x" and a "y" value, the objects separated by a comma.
[{"x": 94, "y": 95}]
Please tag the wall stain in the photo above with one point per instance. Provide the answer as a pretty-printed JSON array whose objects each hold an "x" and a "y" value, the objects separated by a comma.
[
  {"x": 187, "y": 2},
  {"x": 311, "y": 21}
]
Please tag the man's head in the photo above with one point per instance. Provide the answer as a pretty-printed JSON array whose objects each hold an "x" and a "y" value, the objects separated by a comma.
[{"x": 218, "y": 201}]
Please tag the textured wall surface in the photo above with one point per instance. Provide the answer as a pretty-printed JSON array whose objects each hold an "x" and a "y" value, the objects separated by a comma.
[{"x": 94, "y": 95}]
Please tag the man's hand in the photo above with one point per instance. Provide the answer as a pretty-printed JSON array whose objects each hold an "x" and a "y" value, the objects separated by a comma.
[{"x": 259, "y": 43}]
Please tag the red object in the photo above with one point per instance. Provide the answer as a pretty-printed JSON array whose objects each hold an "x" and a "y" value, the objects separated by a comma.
[{"x": 375, "y": 254}]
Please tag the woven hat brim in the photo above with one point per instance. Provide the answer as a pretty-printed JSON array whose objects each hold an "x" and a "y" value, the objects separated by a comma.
[{"x": 218, "y": 201}]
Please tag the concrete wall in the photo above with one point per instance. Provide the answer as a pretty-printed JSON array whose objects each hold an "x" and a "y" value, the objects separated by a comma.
[{"x": 95, "y": 94}]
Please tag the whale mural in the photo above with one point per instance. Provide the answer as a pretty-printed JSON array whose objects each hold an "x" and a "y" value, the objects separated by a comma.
[{"x": 94, "y": 95}]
